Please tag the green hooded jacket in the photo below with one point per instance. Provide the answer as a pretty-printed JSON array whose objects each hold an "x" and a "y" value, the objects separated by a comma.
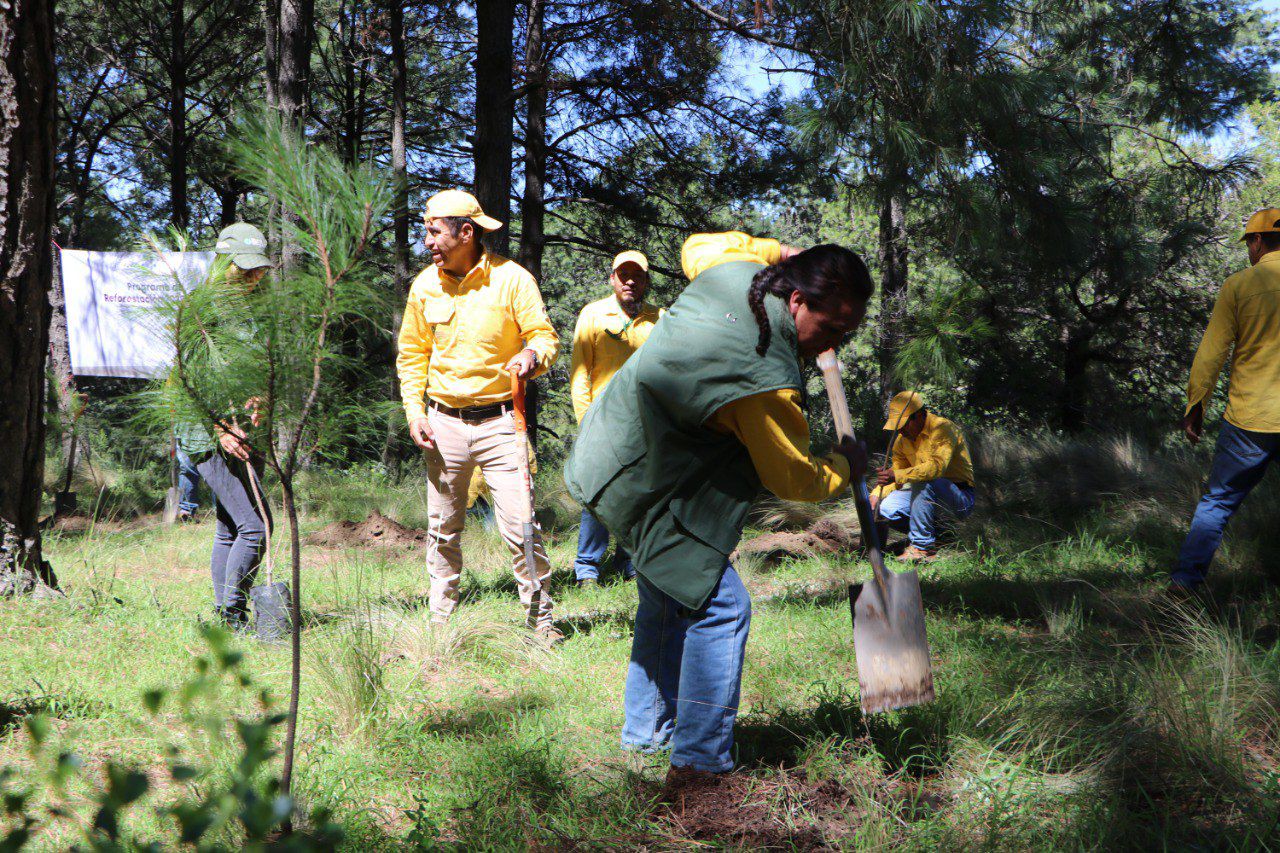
[{"x": 674, "y": 491}]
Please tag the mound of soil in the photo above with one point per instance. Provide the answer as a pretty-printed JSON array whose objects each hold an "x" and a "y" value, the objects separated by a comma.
[
  {"x": 824, "y": 537},
  {"x": 787, "y": 812},
  {"x": 376, "y": 530}
]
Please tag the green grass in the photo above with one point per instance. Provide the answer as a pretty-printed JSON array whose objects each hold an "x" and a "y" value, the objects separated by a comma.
[{"x": 1076, "y": 708}]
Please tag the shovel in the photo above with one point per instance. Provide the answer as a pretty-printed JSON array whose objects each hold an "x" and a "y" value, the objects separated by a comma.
[
  {"x": 172, "y": 496},
  {"x": 527, "y": 509},
  {"x": 889, "y": 639}
]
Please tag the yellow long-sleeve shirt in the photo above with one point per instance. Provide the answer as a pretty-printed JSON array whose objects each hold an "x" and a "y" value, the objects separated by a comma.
[
  {"x": 459, "y": 334},
  {"x": 938, "y": 451},
  {"x": 703, "y": 251},
  {"x": 1246, "y": 316},
  {"x": 773, "y": 428},
  {"x": 771, "y": 424},
  {"x": 604, "y": 338}
]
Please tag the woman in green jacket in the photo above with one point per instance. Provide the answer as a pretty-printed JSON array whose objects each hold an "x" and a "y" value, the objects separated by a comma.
[{"x": 673, "y": 453}]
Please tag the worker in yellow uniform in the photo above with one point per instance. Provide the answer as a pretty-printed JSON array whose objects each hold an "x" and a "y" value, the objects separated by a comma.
[
  {"x": 930, "y": 483},
  {"x": 471, "y": 317},
  {"x": 609, "y": 330},
  {"x": 1245, "y": 323},
  {"x": 676, "y": 448}
]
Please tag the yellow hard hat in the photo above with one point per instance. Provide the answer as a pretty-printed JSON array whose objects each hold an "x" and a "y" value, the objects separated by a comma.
[
  {"x": 1265, "y": 221},
  {"x": 459, "y": 203},
  {"x": 903, "y": 405},
  {"x": 631, "y": 256}
]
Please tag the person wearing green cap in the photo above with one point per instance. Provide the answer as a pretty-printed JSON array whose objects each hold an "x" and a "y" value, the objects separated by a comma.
[
  {"x": 930, "y": 482},
  {"x": 1245, "y": 323},
  {"x": 226, "y": 463}
]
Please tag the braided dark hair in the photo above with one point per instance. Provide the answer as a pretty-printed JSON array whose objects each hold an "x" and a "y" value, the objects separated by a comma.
[{"x": 824, "y": 275}]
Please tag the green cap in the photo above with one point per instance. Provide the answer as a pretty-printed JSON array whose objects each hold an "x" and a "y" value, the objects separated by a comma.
[{"x": 245, "y": 244}]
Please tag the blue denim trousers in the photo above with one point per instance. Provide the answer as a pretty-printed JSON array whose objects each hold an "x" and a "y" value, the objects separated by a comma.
[
  {"x": 188, "y": 482},
  {"x": 927, "y": 509},
  {"x": 1239, "y": 461},
  {"x": 685, "y": 675},
  {"x": 593, "y": 542}
]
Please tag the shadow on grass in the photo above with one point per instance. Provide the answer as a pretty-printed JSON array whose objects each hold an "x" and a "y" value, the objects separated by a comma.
[{"x": 914, "y": 738}]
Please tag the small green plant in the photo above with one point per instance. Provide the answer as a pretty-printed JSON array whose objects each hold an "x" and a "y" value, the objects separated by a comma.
[{"x": 239, "y": 806}]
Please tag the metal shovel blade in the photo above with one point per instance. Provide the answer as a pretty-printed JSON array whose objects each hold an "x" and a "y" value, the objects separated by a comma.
[{"x": 890, "y": 644}]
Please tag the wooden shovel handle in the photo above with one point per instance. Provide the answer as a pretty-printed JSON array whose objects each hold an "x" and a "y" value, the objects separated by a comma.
[
  {"x": 517, "y": 401},
  {"x": 861, "y": 500}
]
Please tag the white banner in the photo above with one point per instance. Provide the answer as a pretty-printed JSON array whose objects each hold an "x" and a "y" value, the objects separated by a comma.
[{"x": 112, "y": 326}]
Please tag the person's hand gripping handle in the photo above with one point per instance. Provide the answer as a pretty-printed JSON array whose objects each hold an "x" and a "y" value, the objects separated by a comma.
[{"x": 844, "y": 431}]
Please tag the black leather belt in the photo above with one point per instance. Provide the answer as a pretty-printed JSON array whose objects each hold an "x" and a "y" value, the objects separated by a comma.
[{"x": 473, "y": 414}]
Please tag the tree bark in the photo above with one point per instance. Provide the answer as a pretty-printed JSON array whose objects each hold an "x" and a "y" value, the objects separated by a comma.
[
  {"x": 296, "y": 18},
  {"x": 1074, "y": 395},
  {"x": 533, "y": 204},
  {"x": 228, "y": 202},
  {"x": 495, "y": 111},
  {"x": 28, "y": 120},
  {"x": 400, "y": 225},
  {"x": 64, "y": 500},
  {"x": 179, "y": 209},
  {"x": 893, "y": 287},
  {"x": 271, "y": 50}
]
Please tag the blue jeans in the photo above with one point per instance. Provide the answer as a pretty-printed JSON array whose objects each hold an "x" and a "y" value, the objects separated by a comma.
[
  {"x": 927, "y": 509},
  {"x": 593, "y": 542},
  {"x": 685, "y": 675},
  {"x": 188, "y": 482},
  {"x": 1239, "y": 461}
]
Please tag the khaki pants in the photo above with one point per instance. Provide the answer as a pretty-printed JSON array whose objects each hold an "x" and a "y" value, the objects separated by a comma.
[{"x": 461, "y": 448}]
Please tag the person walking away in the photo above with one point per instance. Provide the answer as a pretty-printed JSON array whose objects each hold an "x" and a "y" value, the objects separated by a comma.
[
  {"x": 223, "y": 459},
  {"x": 1245, "y": 323},
  {"x": 471, "y": 317},
  {"x": 929, "y": 484},
  {"x": 608, "y": 332},
  {"x": 674, "y": 451}
]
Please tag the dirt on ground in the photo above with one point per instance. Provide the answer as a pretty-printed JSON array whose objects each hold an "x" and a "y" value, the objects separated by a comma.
[
  {"x": 787, "y": 811},
  {"x": 823, "y": 537},
  {"x": 377, "y": 529}
]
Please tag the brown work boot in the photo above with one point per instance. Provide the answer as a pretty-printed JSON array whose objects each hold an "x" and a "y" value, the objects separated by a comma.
[
  {"x": 912, "y": 554},
  {"x": 588, "y": 583}
]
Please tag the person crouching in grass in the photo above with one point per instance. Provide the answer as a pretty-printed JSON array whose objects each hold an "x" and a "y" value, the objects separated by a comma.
[{"x": 674, "y": 451}]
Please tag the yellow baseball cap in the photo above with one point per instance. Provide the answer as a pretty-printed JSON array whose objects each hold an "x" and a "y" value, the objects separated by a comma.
[
  {"x": 903, "y": 405},
  {"x": 459, "y": 203},
  {"x": 631, "y": 256},
  {"x": 1265, "y": 221}
]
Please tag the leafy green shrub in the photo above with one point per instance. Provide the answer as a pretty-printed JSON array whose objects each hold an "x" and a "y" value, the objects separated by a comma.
[{"x": 239, "y": 807}]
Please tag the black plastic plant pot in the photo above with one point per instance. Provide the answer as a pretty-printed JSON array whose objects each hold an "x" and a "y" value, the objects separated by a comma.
[{"x": 271, "y": 611}]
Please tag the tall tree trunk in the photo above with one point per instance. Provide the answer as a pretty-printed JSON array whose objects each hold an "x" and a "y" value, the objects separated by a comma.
[
  {"x": 400, "y": 227},
  {"x": 179, "y": 212},
  {"x": 532, "y": 205},
  {"x": 228, "y": 201},
  {"x": 495, "y": 110},
  {"x": 271, "y": 50},
  {"x": 64, "y": 500},
  {"x": 28, "y": 121},
  {"x": 296, "y": 19},
  {"x": 1074, "y": 395},
  {"x": 893, "y": 286}
]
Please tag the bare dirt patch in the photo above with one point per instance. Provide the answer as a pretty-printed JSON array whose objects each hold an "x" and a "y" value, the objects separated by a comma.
[
  {"x": 783, "y": 812},
  {"x": 823, "y": 537},
  {"x": 375, "y": 531}
]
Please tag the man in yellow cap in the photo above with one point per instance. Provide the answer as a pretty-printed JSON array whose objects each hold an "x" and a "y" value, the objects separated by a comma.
[
  {"x": 931, "y": 481},
  {"x": 608, "y": 332},
  {"x": 471, "y": 317},
  {"x": 1246, "y": 323}
]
